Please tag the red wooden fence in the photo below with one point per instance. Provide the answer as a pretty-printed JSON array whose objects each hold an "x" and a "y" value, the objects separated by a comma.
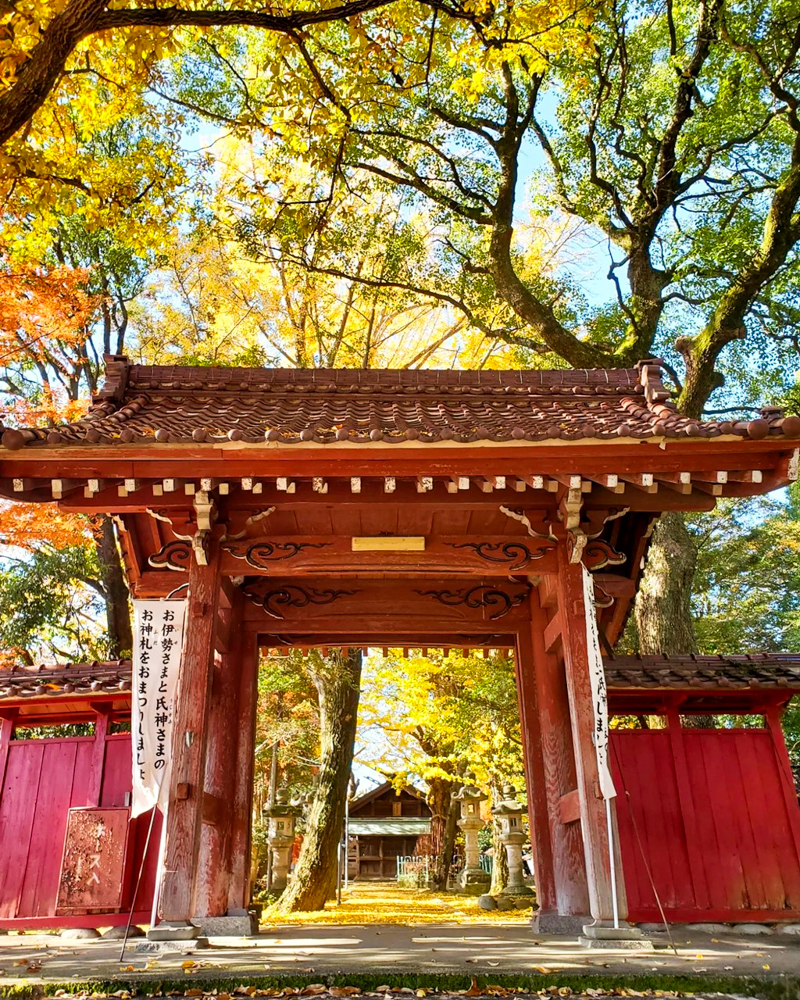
[
  {"x": 714, "y": 815},
  {"x": 43, "y": 780}
]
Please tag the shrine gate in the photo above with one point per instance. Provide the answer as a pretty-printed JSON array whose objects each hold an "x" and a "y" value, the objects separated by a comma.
[{"x": 403, "y": 508}]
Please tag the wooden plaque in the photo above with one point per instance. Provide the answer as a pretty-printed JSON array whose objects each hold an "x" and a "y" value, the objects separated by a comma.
[{"x": 93, "y": 867}]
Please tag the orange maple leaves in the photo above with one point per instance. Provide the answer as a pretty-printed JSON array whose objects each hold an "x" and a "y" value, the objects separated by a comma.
[
  {"x": 42, "y": 311},
  {"x": 44, "y": 317}
]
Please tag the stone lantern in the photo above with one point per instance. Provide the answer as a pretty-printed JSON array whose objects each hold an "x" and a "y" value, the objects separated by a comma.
[
  {"x": 473, "y": 878},
  {"x": 512, "y": 836},
  {"x": 280, "y": 837}
]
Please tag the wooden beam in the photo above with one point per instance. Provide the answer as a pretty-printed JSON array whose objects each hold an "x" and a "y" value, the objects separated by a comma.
[
  {"x": 552, "y": 632},
  {"x": 680, "y": 482},
  {"x": 302, "y": 555},
  {"x": 426, "y": 605},
  {"x": 609, "y": 482},
  {"x": 644, "y": 481}
]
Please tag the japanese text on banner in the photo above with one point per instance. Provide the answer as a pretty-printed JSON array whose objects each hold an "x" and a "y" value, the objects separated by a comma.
[
  {"x": 157, "y": 645},
  {"x": 599, "y": 691}
]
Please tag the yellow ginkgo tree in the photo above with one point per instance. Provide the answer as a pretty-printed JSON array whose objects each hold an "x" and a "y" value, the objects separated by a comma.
[{"x": 437, "y": 718}]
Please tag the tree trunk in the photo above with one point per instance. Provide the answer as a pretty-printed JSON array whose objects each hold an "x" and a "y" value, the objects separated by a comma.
[
  {"x": 440, "y": 793},
  {"x": 663, "y": 612},
  {"x": 338, "y": 681},
  {"x": 500, "y": 859},
  {"x": 118, "y": 616},
  {"x": 440, "y": 799},
  {"x": 663, "y": 604}
]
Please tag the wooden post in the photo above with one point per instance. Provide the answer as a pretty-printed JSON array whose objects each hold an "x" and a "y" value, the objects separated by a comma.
[
  {"x": 7, "y": 718},
  {"x": 535, "y": 781},
  {"x": 189, "y": 742},
  {"x": 592, "y": 806},
  {"x": 560, "y": 781},
  {"x": 241, "y": 817},
  {"x": 101, "y": 722},
  {"x": 772, "y": 717},
  {"x": 215, "y": 859}
]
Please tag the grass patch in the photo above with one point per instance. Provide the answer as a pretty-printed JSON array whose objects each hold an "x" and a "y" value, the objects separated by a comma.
[{"x": 559, "y": 984}]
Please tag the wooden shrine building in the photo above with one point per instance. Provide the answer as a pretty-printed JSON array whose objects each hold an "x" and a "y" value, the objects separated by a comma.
[
  {"x": 401, "y": 508},
  {"x": 386, "y": 824}
]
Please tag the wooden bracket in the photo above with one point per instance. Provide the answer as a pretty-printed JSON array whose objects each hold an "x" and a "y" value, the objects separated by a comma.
[{"x": 569, "y": 807}]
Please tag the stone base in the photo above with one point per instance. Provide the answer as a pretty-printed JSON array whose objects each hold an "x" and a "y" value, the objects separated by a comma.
[
  {"x": 183, "y": 945},
  {"x": 516, "y": 891},
  {"x": 169, "y": 930},
  {"x": 474, "y": 881},
  {"x": 79, "y": 933},
  {"x": 550, "y": 922},
  {"x": 244, "y": 925},
  {"x": 609, "y": 937},
  {"x": 118, "y": 933}
]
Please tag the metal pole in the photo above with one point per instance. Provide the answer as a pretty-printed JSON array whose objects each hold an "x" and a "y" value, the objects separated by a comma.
[
  {"x": 273, "y": 789},
  {"x": 612, "y": 863},
  {"x": 138, "y": 882},
  {"x": 339, "y": 874},
  {"x": 346, "y": 840}
]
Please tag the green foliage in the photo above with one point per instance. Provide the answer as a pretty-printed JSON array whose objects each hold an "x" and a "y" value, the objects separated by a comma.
[
  {"x": 747, "y": 586},
  {"x": 68, "y": 729},
  {"x": 51, "y": 604}
]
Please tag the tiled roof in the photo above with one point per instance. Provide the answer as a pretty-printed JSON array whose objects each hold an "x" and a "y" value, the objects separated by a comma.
[
  {"x": 392, "y": 826},
  {"x": 65, "y": 678},
  {"x": 140, "y": 404},
  {"x": 765, "y": 670}
]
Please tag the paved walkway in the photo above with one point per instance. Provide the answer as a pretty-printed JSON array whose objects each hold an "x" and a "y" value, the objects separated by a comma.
[{"x": 509, "y": 948}]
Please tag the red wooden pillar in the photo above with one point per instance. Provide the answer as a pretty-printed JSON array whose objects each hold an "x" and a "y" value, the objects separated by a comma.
[
  {"x": 533, "y": 760},
  {"x": 215, "y": 860},
  {"x": 566, "y": 907},
  {"x": 189, "y": 743},
  {"x": 592, "y": 806},
  {"x": 241, "y": 816}
]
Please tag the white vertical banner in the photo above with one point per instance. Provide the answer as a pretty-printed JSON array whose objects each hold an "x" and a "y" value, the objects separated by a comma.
[
  {"x": 597, "y": 676},
  {"x": 157, "y": 646},
  {"x": 599, "y": 691}
]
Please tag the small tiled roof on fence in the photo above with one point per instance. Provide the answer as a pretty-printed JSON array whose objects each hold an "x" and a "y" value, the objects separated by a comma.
[
  {"x": 51, "y": 681},
  {"x": 763, "y": 670},
  {"x": 690, "y": 673},
  {"x": 141, "y": 404}
]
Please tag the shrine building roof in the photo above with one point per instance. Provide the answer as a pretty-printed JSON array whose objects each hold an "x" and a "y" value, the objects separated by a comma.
[
  {"x": 141, "y": 404},
  {"x": 697, "y": 675}
]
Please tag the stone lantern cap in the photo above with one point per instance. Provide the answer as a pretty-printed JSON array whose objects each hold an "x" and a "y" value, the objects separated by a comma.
[
  {"x": 470, "y": 792},
  {"x": 283, "y": 806},
  {"x": 509, "y": 805}
]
